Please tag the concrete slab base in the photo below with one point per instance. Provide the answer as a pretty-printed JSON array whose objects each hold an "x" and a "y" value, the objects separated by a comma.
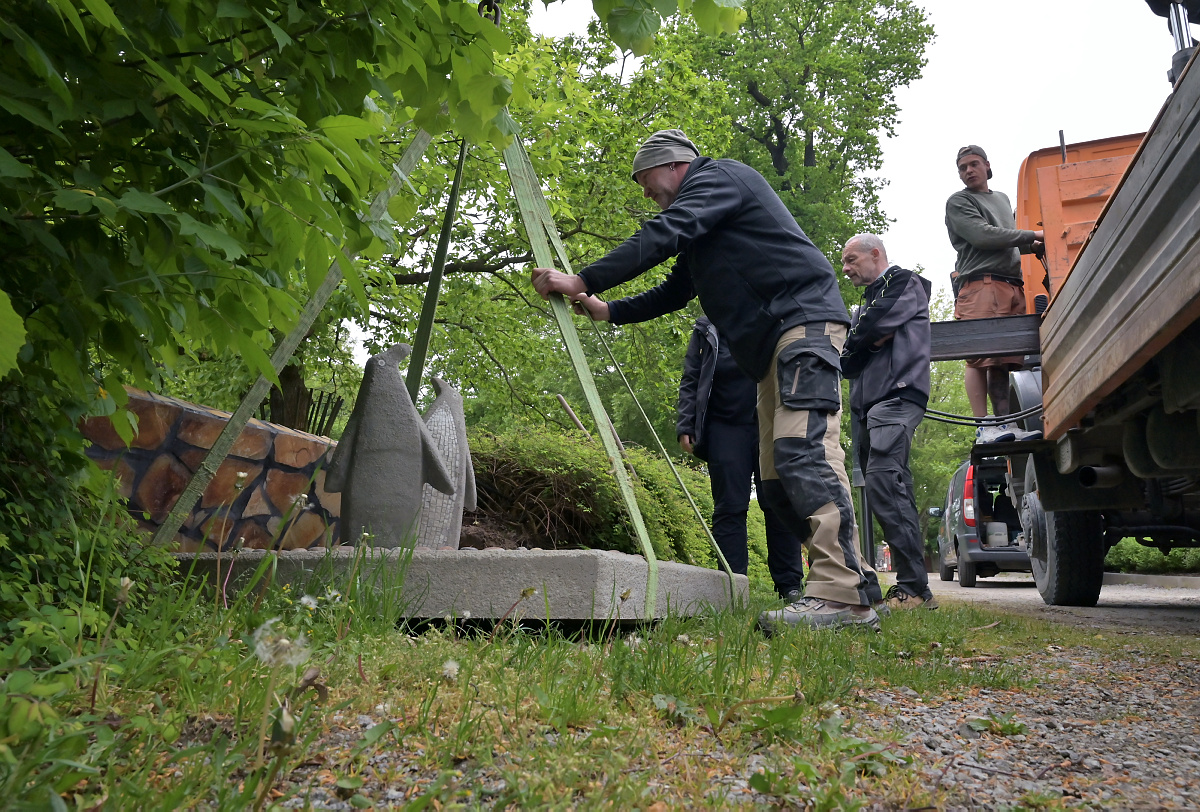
[
  {"x": 1168, "y": 581},
  {"x": 481, "y": 584}
]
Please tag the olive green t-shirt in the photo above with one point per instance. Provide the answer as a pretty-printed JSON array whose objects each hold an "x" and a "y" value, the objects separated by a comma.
[{"x": 983, "y": 231}]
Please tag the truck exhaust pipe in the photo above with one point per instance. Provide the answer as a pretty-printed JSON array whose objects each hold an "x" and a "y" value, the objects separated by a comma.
[{"x": 1100, "y": 476}]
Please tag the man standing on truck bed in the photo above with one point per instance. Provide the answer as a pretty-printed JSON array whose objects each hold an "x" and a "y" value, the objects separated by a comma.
[
  {"x": 886, "y": 358},
  {"x": 987, "y": 280},
  {"x": 774, "y": 298}
]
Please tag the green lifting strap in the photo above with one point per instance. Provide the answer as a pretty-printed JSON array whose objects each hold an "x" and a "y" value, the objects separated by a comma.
[
  {"x": 543, "y": 234},
  {"x": 283, "y": 352},
  {"x": 420, "y": 347}
]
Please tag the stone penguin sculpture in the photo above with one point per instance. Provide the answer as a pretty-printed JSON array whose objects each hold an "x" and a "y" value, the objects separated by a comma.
[
  {"x": 385, "y": 457},
  {"x": 442, "y": 514}
]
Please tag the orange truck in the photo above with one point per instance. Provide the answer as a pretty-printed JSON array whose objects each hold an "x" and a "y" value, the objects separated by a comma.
[{"x": 1112, "y": 344}]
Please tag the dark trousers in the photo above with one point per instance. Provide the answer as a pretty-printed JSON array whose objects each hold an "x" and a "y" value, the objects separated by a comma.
[
  {"x": 732, "y": 467},
  {"x": 884, "y": 442}
]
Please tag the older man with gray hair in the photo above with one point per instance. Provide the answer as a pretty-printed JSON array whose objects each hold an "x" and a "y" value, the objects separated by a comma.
[
  {"x": 774, "y": 298},
  {"x": 886, "y": 357}
]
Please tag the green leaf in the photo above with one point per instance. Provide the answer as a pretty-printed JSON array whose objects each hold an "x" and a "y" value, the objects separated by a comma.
[
  {"x": 175, "y": 85},
  {"x": 254, "y": 356},
  {"x": 30, "y": 114},
  {"x": 345, "y": 131},
  {"x": 12, "y": 335},
  {"x": 10, "y": 167},
  {"x": 104, "y": 15},
  {"x": 232, "y": 8},
  {"x": 281, "y": 37},
  {"x": 634, "y": 28},
  {"x": 75, "y": 200},
  {"x": 135, "y": 200},
  {"x": 323, "y": 160},
  {"x": 210, "y": 84},
  {"x": 66, "y": 8},
  {"x": 210, "y": 236}
]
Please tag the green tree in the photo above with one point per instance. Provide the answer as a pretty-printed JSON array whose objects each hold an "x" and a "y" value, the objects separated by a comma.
[
  {"x": 812, "y": 89},
  {"x": 495, "y": 338}
]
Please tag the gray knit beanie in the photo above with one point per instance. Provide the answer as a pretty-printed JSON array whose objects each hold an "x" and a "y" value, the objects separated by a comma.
[{"x": 664, "y": 147}]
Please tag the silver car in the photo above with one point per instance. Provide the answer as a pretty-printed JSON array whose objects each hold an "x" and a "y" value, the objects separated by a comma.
[{"x": 980, "y": 532}]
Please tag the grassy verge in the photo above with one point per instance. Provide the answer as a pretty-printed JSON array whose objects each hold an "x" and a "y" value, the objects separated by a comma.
[{"x": 306, "y": 700}]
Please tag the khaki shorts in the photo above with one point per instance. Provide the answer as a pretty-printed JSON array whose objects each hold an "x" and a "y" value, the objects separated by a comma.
[{"x": 987, "y": 297}]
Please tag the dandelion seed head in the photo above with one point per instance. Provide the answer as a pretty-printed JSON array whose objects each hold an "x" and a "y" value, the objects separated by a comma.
[
  {"x": 466, "y": 615},
  {"x": 683, "y": 638},
  {"x": 276, "y": 649},
  {"x": 450, "y": 670}
]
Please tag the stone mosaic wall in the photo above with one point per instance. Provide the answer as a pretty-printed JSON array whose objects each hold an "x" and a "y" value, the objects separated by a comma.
[{"x": 269, "y": 492}]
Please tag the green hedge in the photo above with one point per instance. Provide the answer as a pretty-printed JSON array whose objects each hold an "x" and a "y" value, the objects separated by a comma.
[
  {"x": 559, "y": 490},
  {"x": 1129, "y": 556}
]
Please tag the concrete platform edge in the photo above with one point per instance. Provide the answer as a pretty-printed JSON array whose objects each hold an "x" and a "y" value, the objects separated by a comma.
[
  {"x": 566, "y": 584},
  {"x": 1167, "y": 581}
]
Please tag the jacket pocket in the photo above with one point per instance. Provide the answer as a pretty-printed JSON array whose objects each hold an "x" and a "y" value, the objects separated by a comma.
[{"x": 809, "y": 372}]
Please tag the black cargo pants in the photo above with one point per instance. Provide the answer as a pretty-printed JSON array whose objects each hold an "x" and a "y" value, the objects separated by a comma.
[{"x": 884, "y": 442}]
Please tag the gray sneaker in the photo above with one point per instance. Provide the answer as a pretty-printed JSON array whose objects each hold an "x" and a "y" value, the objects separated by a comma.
[{"x": 816, "y": 614}]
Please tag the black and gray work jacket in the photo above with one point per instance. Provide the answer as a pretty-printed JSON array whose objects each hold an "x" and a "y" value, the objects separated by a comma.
[{"x": 739, "y": 250}]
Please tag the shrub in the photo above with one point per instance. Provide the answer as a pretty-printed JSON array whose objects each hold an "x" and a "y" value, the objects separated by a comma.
[
  {"x": 65, "y": 538},
  {"x": 1129, "y": 556},
  {"x": 558, "y": 491}
]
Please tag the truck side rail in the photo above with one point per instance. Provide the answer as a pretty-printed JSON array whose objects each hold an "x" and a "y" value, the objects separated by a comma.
[
  {"x": 1136, "y": 284},
  {"x": 984, "y": 338}
]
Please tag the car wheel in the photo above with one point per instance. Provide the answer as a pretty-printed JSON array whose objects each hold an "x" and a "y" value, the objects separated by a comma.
[
  {"x": 966, "y": 573},
  {"x": 945, "y": 571}
]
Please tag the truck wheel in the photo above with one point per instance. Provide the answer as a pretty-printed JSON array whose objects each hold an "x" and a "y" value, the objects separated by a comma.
[
  {"x": 1066, "y": 553},
  {"x": 966, "y": 573},
  {"x": 945, "y": 572}
]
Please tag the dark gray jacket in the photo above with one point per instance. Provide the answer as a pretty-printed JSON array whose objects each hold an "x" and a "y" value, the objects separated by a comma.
[
  {"x": 895, "y": 304},
  {"x": 699, "y": 368},
  {"x": 740, "y": 250}
]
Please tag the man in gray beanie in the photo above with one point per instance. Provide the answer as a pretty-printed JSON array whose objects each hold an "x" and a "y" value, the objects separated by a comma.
[{"x": 774, "y": 298}]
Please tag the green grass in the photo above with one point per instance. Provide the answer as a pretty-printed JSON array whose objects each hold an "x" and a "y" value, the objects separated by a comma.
[{"x": 470, "y": 715}]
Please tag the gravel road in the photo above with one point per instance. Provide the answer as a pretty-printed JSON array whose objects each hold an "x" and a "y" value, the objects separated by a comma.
[{"x": 1126, "y": 607}]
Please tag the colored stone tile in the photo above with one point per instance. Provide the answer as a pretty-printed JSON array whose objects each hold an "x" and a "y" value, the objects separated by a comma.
[
  {"x": 298, "y": 450},
  {"x": 332, "y": 502},
  {"x": 255, "y": 535},
  {"x": 257, "y": 504},
  {"x": 155, "y": 418},
  {"x": 217, "y": 529},
  {"x": 99, "y": 430},
  {"x": 285, "y": 489},
  {"x": 161, "y": 485},
  {"x": 307, "y": 530},
  {"x": 232, "y": 477}
]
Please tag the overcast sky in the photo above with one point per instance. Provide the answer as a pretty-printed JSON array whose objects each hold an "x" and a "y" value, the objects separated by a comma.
[{"x": 1006, "y": 76}]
